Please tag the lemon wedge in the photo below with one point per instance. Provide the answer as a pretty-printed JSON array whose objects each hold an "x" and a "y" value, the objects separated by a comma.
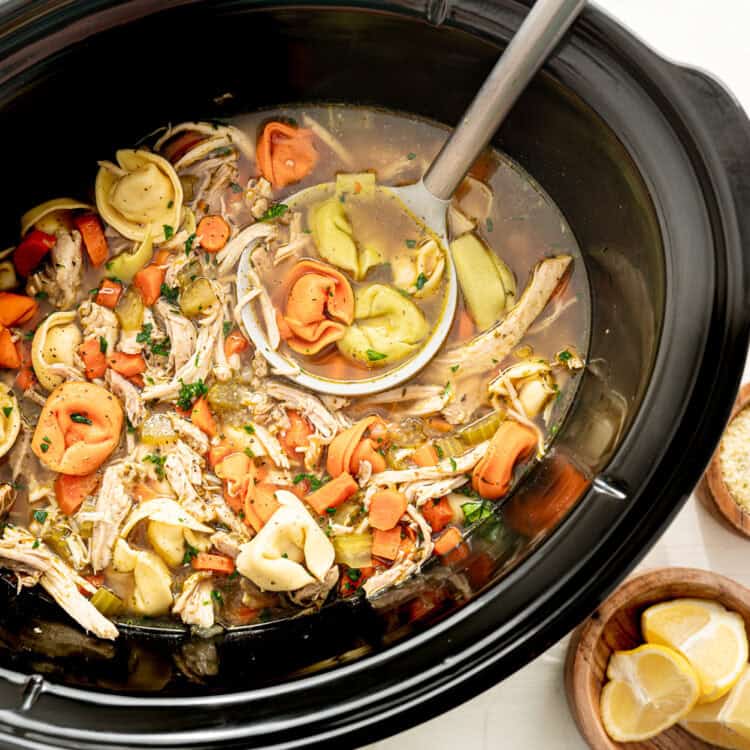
[
  {"x": 711, "y": 638},
  {"x": 725, "y": 722},
  {"x": 651, "y": 688}
]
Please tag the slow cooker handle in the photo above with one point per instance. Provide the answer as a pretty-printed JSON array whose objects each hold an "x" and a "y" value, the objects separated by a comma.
[{"x": 537, "y": 36}]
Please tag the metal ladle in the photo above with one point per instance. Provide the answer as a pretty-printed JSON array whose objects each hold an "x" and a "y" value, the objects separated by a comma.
[{"x": 429, "y": 198}]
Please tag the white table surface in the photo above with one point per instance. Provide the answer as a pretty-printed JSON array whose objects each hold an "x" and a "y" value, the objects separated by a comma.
[{"x": 528, "y": 711}]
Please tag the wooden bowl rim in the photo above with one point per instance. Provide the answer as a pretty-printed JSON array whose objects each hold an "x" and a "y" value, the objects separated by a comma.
[
  {"x": 737, "y": 516},
  {"x": 578, "y": 662}
]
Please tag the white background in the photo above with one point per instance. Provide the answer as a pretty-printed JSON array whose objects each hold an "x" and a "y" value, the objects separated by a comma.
[{"x": 528, "y": 711}]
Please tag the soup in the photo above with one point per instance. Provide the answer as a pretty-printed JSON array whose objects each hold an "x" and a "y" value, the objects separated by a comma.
[{"x": 154, "y": 466}]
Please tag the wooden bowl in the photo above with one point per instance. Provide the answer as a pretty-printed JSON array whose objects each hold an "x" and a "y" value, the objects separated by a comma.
[
  {"x": 717, "y": 488},
  {"x": 616, "y": 626}
]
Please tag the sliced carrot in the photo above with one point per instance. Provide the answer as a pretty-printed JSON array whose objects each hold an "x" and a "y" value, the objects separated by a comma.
[
  {"x": 32, "y": 251},
  {"x": 353, "y": 578},
  {"x": 16, "y": 309},
  {"x": 386, "y": 509},
  {"x": 214, "y": 563},
  {"x": 466, "y": 326},
  {"x": 297, "y": 436},
  {"x": 25, "y": 378},
  {"x": 386, "y": 544},
  {"x": 148, "y": 282},
  {"x": 235, "y": 343},
  {"x": 109, "y": 293},
  {"x": 202, "y": 418},
  {"x": 341, "y": 450},
  {"x": 285, "y": 154},
  {"x": 137, "y": 381},
  {"x": 8, "y": 352},
  {"x": 438, "y": 513},
  {"x": 440, "y": 425},
  {"x": 127, "y": 364},
  {"x": 214, "y": 232},
  {"x": 93, "y": 238},
  {"x": 71, "y": 491},
  {"x": 94, "y": 359},
  {"x": 218, "y": 452},
  {"x": 146, "y": 491},
  {"x": 512, "y": 443},
  {"x": 448, "y": 540},
  {"x": 332, "y": 494},
  {"x": 260, "y": 504},
  {"x": 425, "y": 455},
  {"x": 236, "y": 471}
]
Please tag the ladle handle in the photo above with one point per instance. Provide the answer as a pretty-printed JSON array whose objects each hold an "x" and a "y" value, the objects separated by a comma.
[{"x": 537, "y": 36}]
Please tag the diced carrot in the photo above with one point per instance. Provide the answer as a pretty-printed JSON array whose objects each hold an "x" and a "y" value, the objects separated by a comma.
[
  {"x": 25, "y": 378},
  {"x": 127, "y": 364},
  {"x": 386, "y": 543},
  {"x": 202, "y": 418},
  {"x": 178, "y": 146},
  {"x": 148, "y": 282},
  {"x": 214, "y": 563},
  {"x": 217, "y": 453},
  {"x": 332, "y": 494},
  {"x": 448, "y": 540},
  {"x": 146, "y": 491},
  {"x": 16, "y": 309},
  {"x": 137, "y": 381},
  {"x": 235, "y": 343},
  {"x": 71, "y": 491},
  {"x": 94, "y": 359},
  {"x": 511, "y": 443},
  {"x": 297, "y": 436},
  {"x": 386, "y": 509},
  {"x": 425, "y": 455},
  {"x": 214, "y": 232},
  {"x": 440, "y": 425},
  {"x": 109, "y": 293},
  {"x": 245, "y": 614},
  {"x": 260, "y": 504},
  {"x": 95, "y": 579},
  {"x": 465, "y": 326},
  {"x": 93, "y": 238},
  {"x": 438, "y": 513},
  {"x": 367, "y": 450},
  {"x": 480, "y": 570},
  {"x": 32, "y": 250},
  {"x": 8, "y": 352},
  {"x": 341, "y": 450},
  {"x": 285, "y": 154}
]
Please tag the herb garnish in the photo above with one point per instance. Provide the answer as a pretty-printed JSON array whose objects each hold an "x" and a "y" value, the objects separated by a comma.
[
  {"x": 421, "y": 281},
  {"x": 189, "y": 243},
  {"x": 80, "y": 418},
  {"x": 7, "y": 410},
  {"x": 170, "y": 293},
  {"x": 40, "y": 516},
  {"x": 217, "y": 597},
  {"x": 476, "y": 511},
  {"x": 374, "y": 356},
  {"x": 168, "y": 232},
  {"x": 564, "y": 356},
  {"x": 315, "y": 483},
  {"x": 158, "y": 462},
  {"x": 190, "y": 553},
  {"x": 236, "y": 187},
  {"x": 411, "y": 244},
  {"x": 103, "y": 345},
  {"x": 190, "y": 393},
  {"x": 226, "y": 327},
  {"x": 274, "y": 212}
]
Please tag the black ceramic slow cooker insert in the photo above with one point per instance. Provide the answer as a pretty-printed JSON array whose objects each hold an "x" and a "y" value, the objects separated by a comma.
[{"x": 649, "y": 162}]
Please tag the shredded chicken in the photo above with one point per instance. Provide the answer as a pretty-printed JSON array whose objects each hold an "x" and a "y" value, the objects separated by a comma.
[
  {"x": 100, "y": 323},
  {"x": 128, "y": 394},
  {"x": 249, "y": 237},
  {"x": 195, "y": 603},
  {"x": 181, "y": 334},
  {"x": 61, "y": 279},
  {"x": 113, "y": 504}
]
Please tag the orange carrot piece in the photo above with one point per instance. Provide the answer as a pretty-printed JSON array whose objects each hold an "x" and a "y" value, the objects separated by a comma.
[
  {"x": 94, "y": 359},
  {"x": 297, "y": 436},
  {"x": 260, "y": 504},
  {"x": 448, "y": 540},
  {"x": 332, "y": 494},
  {"x": 466, "y": 326},
  {"x": 146, "y": 491},
  {"x": 386, "y": 543},
  {"x": 425, "y": 455},
  {"x": 235, "y": 343},
  {"x": 127, "y": 365},
  {"x": 440, "y": 425},
  {"x": 148, "y": 282},
  {"x": 16, "y": 309},
  {"x": 512, "y": 443},
  {"x": 214, "y": 232},
  {"x": 386, "y": 509},
  {"x": 285, "y": 154},
  {"x": 217, "y": 453},
  {"x": 202, "y": 418},
  {"x": 341, "y": 450},
  {"x": 109, "y": 293},
  {"x": 214, "y": 563},
  {"x": 25, "y": 378},
  {"x": 438, "y": 513},
  {"x": 71, "y": 491},
  {"x": 93, "y": 238},
  {"x": 8, "y": 352}
]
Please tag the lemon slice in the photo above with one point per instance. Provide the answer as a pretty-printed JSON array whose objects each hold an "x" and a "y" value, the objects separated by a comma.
[
  {"x": 725, "y": 722},
  {"x": 711, "y": 638},
  {"x": 650, "y": 689}
]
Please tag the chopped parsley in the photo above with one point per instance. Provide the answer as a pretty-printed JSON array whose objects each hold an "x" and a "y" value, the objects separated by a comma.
[
  {"x": 249, "y": 453},
  {"x": 7, "y": 410},
  {"x": 223, "y": 151},
  {"x": 40, "y": 516},
  {"x": 170, "y": 293},
  {"x": 274, "y": 212},
  {"x": 454, "y": 368},
  {"x": 170, "y": 204},
  {"x": 36, "y": 544},
  {"x": 330, "y": 511},
  {"x": 103, "y": 345},
  {"x": 421, "y": 281},
  {"x": 249, "y": 429},
  {"x": 236, "y": 187},
  {"x": 440, "y": 452},
  {"x": 565, "y": 356},
  {"x": 158, "y": 462},
  {"x": 190, "y": 393},
  {"x": 315, "y": 483},
  {"x": 453, "y": 463},
  {"x": 374, "y": 356},
  {"x": 411, "y": 155},
  {"x": 190, "y": 553},
  {"x": 217, "y": 597},
  {"x": 189, "y": 244},
  {"x": 354, "y": 574},
  {"x": 130, "y": 427},
  {"x": 44, "y": 446},
  {"x": 226, "y": 327},
  {"x": 476, "y": 511},
  {"x": 80, "y": 418},
  {"x": 490, "y": 225},
  {"x": 411, "y": 244},
  {"x": 161, "y": 347},
  {"x": 168, "y": 232},
  {"x": 144, "y": 335},
  {"x": 41, "y": 295}
]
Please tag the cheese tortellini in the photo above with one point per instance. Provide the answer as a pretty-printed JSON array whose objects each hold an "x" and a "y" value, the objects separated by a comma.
[
  {"x": 55, "y": 342},
  {"x": 289, "y": 552},
  {"x": 152, "y": 590},
  {"x": 141, "y": 192},
  {"x": 420, "y": 272},
  {"x": 387, "y": 327},
  {"x": 52, "y": 216},
  {"x": 10, "y": 419}
]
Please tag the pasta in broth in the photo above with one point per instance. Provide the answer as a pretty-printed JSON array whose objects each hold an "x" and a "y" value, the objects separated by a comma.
[{"x": 151, "y": 464}]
